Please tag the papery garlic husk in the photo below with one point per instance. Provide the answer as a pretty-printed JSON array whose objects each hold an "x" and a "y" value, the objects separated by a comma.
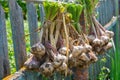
[
  {"x": 105, "y": 39},
  {"x": 38, "y": 49},
  {"x": 47, "y": 69},
  {"x": 97, "y": 42},
  {"x": 77, "y": 50},
  {"x": 32, "y": 62},
  {"x": 108, "y": 46},
  {"x": 63, "y": 50},
  {"x": 110, "y": 34}
]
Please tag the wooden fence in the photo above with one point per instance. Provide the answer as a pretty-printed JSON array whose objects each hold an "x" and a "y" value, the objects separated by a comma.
[{"x": 105, "y": 14}]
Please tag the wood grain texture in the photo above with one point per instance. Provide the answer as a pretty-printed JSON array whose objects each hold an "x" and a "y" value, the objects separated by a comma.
[
  {"x": 16, "y": 19},
  {"x": 4, "y": 62},
  {"x": 33, "y": 23}
]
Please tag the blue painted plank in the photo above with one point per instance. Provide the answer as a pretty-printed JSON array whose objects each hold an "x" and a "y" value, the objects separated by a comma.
[
  {"x": 33, "y": 23},
  {"x": 16, "y": 19},
  {"x": 42, "y": 13},
  {"x": 4, "y": 62}
]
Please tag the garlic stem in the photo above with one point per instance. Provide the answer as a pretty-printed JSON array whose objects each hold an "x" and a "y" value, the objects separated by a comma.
[
  {"x": 94, "y": 30},
  {"x": 52, "y": 40},
  {"x": 99, "y": 25},
  {"x": 58, "y": 26},
  {"x": 41, "y": 34},
  {"x": 46, "y": 36},
  {"x": 66, "y": 33},
  {"x": 96, "y": 26}
]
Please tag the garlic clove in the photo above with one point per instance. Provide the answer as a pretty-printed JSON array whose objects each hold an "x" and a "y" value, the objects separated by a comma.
[
  {"x": 110, "y": 34},
  {"x": 97, "y": 42},
  {"x": 63, "y": 50},
  {"x": 60, "y": 57},
  {"x": 105, "y": 39},
  {"x": 108, "y": 46}
]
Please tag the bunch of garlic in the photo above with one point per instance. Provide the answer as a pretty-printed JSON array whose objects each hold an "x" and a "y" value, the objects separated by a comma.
[{"x": 61, "y": 47}]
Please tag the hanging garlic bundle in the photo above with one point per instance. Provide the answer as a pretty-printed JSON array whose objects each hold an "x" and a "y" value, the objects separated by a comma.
[{"x": 63, "y": 45}]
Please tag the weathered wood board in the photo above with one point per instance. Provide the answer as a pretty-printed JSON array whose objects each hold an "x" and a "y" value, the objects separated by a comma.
[
  {"x": 16, "y": 19},
  {"x": 4, "y": 62}
]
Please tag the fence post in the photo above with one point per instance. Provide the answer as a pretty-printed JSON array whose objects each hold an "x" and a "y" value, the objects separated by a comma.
[
  {"x": 4, "y": 62},
  {"x": 33, "y": 23},
  {"x": 16, "y": 19}
]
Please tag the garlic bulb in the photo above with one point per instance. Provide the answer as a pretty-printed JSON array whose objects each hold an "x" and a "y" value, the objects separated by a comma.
[
  {"x": 77, "y": 50},
  {"x": 108, "y": 46},
  {"x": 46, "y": 69},
  {"x": 58, "y": 60},
  {"x": 97, "y": 42},
  {"x": 110, "y": 34},
  {"x": 105, "y": 39},
  {"x": 63, "y": 67},
  {"x": 38, "y": 49},
  {"x": 63, "y": 50},
  {"x": 32, "y": 63}
]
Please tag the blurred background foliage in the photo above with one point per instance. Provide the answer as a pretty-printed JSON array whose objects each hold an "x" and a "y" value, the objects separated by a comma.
[{"x": 5, "y": 5}]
